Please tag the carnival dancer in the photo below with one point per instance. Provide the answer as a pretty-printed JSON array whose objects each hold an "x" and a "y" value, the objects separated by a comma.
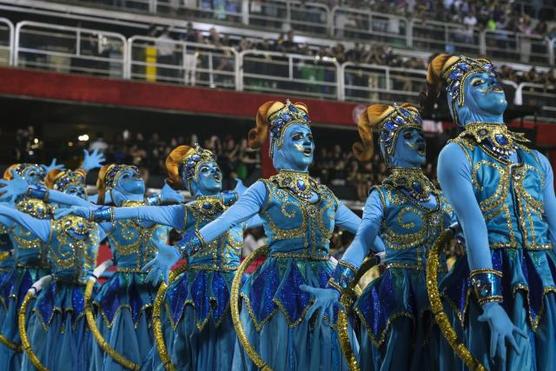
[
  {"x": 502, "y": 193},
  {"x": 197, "y": 329},
  {"x": 58, "y": 333},
  {"x": 408, "y": 213},
  {"x": 29, "y": 252},
  {"x": 299, "y": 216}
]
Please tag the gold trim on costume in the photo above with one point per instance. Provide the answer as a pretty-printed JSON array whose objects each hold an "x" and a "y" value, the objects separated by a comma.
[
  {"x": 157, "y": 322},
  {"x": 22, "y": 324},
  {"x": 437, "y": 309},
  {"x": 103, "y": 344},
  {"x": 234, "y": 306}
]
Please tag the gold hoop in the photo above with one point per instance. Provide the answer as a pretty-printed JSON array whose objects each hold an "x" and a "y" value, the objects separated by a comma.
[
  {"x": 441, "y": 318},
  {"x": 21, "y": 321},
  {"x": 11, "y": 345},
  {"x": 89, "y": 315},
  {"x": 157, "y": 321},
  {"x": 347, "y": 298},
  {"x": 234, "y": 307}
]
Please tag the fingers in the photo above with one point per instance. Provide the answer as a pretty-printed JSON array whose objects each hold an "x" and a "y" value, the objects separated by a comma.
[
  {"x": 153, "y": 276},
  {"x": 520, "y": 332},
  {"x": 308, "y": 289},
  {"x": 85, "y": 153},
  {"x": 513, "y": 343},
  {"x": 482, "y": 318},
  {"x": 312, "y": 309},
  {"x": 502, "y": 349},
  {"x": 149, "y": 265},
  {"x": 493, "y": 342}
]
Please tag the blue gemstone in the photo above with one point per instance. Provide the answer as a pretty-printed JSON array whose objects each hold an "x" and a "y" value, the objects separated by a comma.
[
  {"x": 301, "y": 185},
  {"x": 417, "y": 187},
  {"x": 286, "y": 117},
  {"x": 292, "y": 108},
  {"x": 455, "y": 74},
  {"x": 196, "y": 157},
  {"x": 389, "y": 125},
  {"x": 463, "y": 66},
  {"x": 207, "y": 205},
  {"x": 399, "y": 120},
  {"x": 501, "y": 139}
]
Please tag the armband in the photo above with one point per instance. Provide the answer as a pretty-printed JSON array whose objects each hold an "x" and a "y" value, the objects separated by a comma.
[
  {"x": 191, "y": 242},
  {"x": 38, "y": 192},
  {"x": 102, "y": 214},
  {"x": 343, "y": 276},
  {"x": 487, "y": 285},
  {"x": 229, "y": 197}
]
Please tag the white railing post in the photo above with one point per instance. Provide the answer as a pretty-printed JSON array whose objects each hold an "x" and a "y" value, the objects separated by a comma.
[
  {"x": 16, "y": 43},
  {"x": 153, "y": 6},
  {"x": 330, "y": 21},
  {"x": 238, "y": 70},
  {"x": 341, "y": 82},
  {"x": 518, "y": 100},
  {"x": 245, "y": 11},
  {"x": 409, "y": 32},
  {"x": 482, "y": 42},
  {"x": 551, "y": 45}
]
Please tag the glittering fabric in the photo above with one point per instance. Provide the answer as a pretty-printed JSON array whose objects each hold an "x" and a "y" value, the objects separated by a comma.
[
  {"x": 199, "y": 295},
  {"x": 222, "y": 295},
  {"x": 176, "y": 295},
  {"x": 64, "y": 298},
  {"x": 530, "y": 271},
  {"x": 7, "y": 281},
  {"x": 263, "y": 288},
  {"x": 290, "y": 298}
]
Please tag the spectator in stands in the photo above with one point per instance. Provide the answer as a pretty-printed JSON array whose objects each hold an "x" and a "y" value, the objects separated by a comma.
[{"x": 167, "y": 63}]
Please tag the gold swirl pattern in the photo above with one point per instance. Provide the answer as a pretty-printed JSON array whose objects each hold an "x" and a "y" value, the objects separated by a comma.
[
  {"x": 234, "y": 306},
  {"x": 22, "y": 324},
  {"x": 346, "y": 300},
  {"x": 89, "y": 315},
  {"x": 440, "y": 316},
  {"x": 157, "y": 321}
]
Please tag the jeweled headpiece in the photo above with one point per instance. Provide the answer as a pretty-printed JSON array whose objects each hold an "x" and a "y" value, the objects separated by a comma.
[
  {"x": 20, "y": 169},
  {"x": 288, "y": 115},
  {"x": 389, "y": 121},
  {"x": 391, "y": 125},
  {"x": 456, "y": 73},
  {"x": 60, "y": 181},
  {"x": 114, "y": 172},
  {"x": 193, "y": 159}
]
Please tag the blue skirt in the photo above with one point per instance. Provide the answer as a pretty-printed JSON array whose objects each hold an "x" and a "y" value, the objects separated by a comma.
[
  {"x": 123, "y": 318},
  {"x": 13, "y": 289},
  {"x": 529, "y": 291},
  {"x": 198, "y": 311},
  {"x": 274, "y": 318},
  {"x": 57, "y": 328}
]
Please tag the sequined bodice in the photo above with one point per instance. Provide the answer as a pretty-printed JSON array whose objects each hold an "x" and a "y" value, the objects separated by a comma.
[
  {"x": 224, "y": 252},
  {"x": 29, "y": 249},
  {"x": 295, "y": 225},
  {"x": 73, "y": 248},
  {"x": 410, "y": 227},
  {"x": 133, "y": 242},
  {"x": 510, "y": 196}
]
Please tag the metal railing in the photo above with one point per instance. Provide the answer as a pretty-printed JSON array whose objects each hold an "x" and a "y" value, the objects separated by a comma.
[
  {"x": 355, "y": 24},
  {"x": 179, "y": 62},
  {"x": 69, "y": 49},
  {"x": 6, "y": 41},
  {"x": 95, "y": 52}
]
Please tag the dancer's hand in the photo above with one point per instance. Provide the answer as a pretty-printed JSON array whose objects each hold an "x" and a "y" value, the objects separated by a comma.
[
  {"x": 53, "y": 166},
  {"x": 170, "y": 195},
  {"x": 81, "y": 211},
  {"x": 162, "y": 263},
  {"x": 11, "y": 189},
  {"x": 92, "y": 160},
  {"x": 325, "y": 300},
  {"x": 502, "y": 330},
  {"x": 240, "y": 188}
]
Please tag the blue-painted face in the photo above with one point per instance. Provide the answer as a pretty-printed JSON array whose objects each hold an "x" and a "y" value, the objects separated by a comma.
[
  {"x": 485, "y": 100},
  {"x": 130, "y": 182},
  {"x": 410, "y": 149},
  {"x": 33, "y": 174},
  {"x": 208, "y": 179},
  {"x": 76, "y": 190},
  {"x": 296, "y": 152}
]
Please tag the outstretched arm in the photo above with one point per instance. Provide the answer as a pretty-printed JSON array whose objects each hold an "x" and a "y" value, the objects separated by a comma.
[
  {"x": 454, "y": 176},
  {"x": 173, "y": 215},
  {"x": 367, "y": 232},
  {"x": 39, "y": 227},
  {"x": 66, "y": 199},
  {"x": 248, "y": 205},
  {"x": 347, "y": 219},
  {"x": 549, "y": 198}
]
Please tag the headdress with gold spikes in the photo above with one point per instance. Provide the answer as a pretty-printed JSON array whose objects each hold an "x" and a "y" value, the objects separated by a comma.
[
  {"x": 392, "y": 124},
  {"x": 114, "y": 172}
]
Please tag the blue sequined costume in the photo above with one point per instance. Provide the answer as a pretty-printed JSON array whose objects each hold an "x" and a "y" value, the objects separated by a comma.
[
  {"x": 503, "y": 195},
  {"x": 30, "y": 265},
  {"x": 124, "y": 301}
]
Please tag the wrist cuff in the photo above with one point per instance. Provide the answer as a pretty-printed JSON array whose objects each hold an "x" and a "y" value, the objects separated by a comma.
[
  {"x": 487, "y": 284},
  {"x": 103, "y": 214},
  {"x": 38, "y": 192},
  {"x": 343, "y": 276},
  {"x": 191, "y": 242},
  {"x": 229, "y": 197}
]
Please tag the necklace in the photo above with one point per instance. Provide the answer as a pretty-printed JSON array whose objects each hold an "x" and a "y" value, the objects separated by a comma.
[
  {"x": 414, "y": 181},
  {"x": 297, "y": 182},
  {"x": 496, "y": 139}
]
